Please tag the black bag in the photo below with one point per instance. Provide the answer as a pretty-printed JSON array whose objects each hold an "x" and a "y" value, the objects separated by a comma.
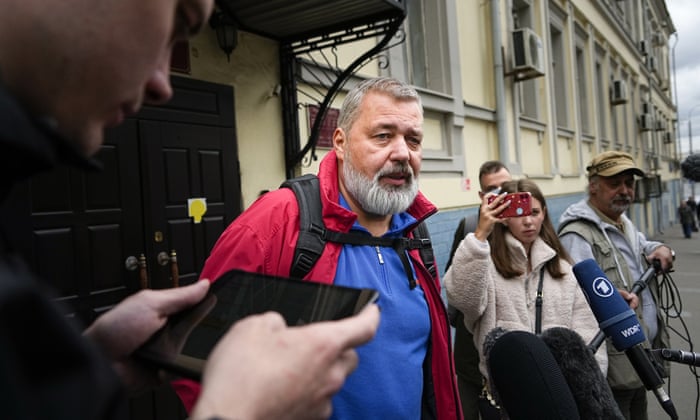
[{"x": 488, "y": 409}]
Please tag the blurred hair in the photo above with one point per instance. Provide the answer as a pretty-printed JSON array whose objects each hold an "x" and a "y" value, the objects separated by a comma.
[
  {"x": 491, "y": 167},
  {"x": 500, "y": 254},
  {"x": 385, "y": 85}
]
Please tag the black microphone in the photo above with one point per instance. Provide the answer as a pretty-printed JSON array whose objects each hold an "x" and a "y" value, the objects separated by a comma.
[
  {"x": 620, "y": 323},
  {"x": 680, "y": 356},
  {"x": 587, "y": 383},
  {"x": 526, "y": 380}
]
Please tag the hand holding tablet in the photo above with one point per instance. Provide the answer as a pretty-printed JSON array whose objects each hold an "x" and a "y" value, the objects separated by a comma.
[{"x": 184, "y": 344}]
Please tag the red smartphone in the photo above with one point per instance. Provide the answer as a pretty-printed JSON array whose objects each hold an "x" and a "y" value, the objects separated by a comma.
[{"x": 520, "y": 204}]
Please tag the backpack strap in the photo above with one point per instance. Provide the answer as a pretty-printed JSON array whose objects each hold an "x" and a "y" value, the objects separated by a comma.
[
  {"x": 311, "y": 239},
  {"x": 313, "y": 234},
  {"x": 426, "y": 251}
]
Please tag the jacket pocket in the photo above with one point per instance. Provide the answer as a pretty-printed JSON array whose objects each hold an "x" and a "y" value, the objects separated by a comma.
[{"x": 621, "y": 374}]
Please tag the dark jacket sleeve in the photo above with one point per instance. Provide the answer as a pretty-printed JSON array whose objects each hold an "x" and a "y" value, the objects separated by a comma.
[
  {"x": 47, "y": 369},
  {"x": 459, "y": 235}
]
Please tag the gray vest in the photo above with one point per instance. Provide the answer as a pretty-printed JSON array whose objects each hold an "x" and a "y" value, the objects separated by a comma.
[{"x": 621, "y": 374}]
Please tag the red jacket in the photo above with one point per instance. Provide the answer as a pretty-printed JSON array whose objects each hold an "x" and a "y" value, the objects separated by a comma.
[{"x": 263, "y": 238}]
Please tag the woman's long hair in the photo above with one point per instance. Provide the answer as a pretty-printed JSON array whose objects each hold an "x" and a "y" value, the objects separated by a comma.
[{"x": 500, "y": 254}]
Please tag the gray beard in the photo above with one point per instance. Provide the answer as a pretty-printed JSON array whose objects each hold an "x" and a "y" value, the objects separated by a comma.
[
  {"x": 620, "y": 208},
  {"x": 375, "y": 198}
]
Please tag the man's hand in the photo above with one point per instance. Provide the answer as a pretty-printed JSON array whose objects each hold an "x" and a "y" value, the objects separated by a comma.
[
  {"x": 665, "y": 255},
  {"x": 120, "y": 331},
  {"x": 262, "y": 369},
  {"x": 631, "y": 298}
]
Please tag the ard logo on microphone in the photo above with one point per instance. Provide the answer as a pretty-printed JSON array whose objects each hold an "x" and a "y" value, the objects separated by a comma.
[{"x": 602, "y": 287}]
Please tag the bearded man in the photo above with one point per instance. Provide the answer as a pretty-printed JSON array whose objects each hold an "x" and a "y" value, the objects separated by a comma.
[
  {"x": 598, "y": 228},
  {"x": 368, "y": 186}
]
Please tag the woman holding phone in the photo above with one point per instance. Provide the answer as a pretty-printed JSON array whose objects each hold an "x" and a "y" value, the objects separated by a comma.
[{"x": 513, "y": 273}]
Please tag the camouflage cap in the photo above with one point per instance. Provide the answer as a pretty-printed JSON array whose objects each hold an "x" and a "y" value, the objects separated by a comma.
[{"x": 612, "y": 163}]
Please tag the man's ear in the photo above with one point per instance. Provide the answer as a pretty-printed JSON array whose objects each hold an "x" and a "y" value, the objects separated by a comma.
[
  {"x": 592, "y": 187},
  {"x": 339, "y": 142}
]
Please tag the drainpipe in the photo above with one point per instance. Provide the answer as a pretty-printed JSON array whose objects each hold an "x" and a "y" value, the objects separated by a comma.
[
  {"x": 677, "y": 148},
  {"x": 500, "y": 83}
]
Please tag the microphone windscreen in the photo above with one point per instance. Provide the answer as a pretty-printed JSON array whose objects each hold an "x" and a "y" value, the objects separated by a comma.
[
  {"x": 614, "y": 315},
  {"x": 491, "y": 338},
  {"x": 527, "y": 380},
  {"x": 586, "y": 382}
]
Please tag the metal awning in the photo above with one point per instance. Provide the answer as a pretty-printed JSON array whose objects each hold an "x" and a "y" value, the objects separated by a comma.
[
  {"x": 304, "y": 26},
  {"x": 289, "y": 21}
]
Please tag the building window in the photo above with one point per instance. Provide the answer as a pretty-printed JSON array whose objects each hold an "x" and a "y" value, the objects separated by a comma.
[
  {"x": 582, "y": 88},
  {"x": 426, "y": 48},
  {"x": 559, "y": 73},
  {"x": 528, "y": 103},
  {"x": 601, "y": 100}
]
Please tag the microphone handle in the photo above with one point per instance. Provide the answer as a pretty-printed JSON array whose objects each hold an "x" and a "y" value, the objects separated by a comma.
[
  {"x": 637, "y": 287},
  {"x": 650, "y": 377}
]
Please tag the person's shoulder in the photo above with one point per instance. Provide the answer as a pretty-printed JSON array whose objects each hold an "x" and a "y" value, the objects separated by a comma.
[
  {"x": 469, "y": 223},
  {"x": 272, "y": 208}
]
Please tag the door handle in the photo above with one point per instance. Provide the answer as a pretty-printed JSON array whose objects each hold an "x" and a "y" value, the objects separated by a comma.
[
  {"x": 163, "y": 258},
  {"x": 143, "y": 273},
  {"x": 174, "y": 269},
  {"x": 132, "y": 264}
]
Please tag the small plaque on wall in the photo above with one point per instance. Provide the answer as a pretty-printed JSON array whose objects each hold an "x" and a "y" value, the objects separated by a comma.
[
  {"x": 325, "y": 137},
  {"x": 180, "y": 58}
]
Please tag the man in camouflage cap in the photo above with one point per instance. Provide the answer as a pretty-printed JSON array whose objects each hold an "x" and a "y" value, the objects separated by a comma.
[{"x": 598, "y": 228}]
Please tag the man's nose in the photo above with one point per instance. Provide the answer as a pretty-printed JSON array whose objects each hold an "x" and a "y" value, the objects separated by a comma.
[
  {"x": 400, "y": 151},
  {"x": 158, "y": 89}
]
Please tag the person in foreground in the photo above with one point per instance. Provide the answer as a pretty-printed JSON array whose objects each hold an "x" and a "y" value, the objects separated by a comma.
[
  {"x": 598, "y": 228},
  {"x": 105, "y": 60},
  {"x": 368, "y": 186},
  {"x": 499, "y": 271},
  {"x": 492, "y": 174}
]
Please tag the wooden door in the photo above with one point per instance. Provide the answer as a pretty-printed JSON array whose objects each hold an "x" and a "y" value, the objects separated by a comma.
[{"x": 82, "y": 227}]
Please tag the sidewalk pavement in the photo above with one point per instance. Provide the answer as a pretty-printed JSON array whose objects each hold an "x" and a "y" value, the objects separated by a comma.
[
  {"x": 684, "y": 386},
  {"x": 687, "y": 250}
]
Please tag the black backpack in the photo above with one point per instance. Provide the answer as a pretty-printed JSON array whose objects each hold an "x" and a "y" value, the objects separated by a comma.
[{"x": 313, "y": 234}]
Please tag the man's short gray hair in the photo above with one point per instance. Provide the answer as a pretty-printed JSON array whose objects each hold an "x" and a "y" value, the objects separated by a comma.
[{"x": 386, "y": 85}]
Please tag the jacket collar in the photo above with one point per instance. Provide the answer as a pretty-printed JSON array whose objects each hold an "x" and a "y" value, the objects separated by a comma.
[
  {"x": 30, "y": 145},
  {"x": 540, "y": 252}
]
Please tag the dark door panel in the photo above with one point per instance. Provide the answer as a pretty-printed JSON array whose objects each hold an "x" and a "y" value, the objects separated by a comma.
[
  {"x": 77, "y": 229},
  {"x": 187, "y": 161},
  {"x": 85, "y": 224}
]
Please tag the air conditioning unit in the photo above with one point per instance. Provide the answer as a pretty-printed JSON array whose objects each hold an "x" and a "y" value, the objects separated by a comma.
[
  {"x": 652, "y": 183},
  {"x": 640, "y": 191},
  {"x": 644, "y": 47},
  {"x": 660, "y": 125},
  {"x": 528, "y": 59},
  {"x": 618, "y": 93},
  {"x": 645, "y": 123}
]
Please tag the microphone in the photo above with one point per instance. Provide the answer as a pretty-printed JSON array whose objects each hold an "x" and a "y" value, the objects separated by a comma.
[
  {"x": 620, "y": 323},
  {"x": 680, "y": 356},
  {"x": 587, "y": 383},
  {"x": 526, "y": 380},
  {"x": 637, "y": 287}
]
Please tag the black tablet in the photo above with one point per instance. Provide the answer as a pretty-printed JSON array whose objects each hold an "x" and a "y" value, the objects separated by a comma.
[{"x": 184, "y": 343}]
